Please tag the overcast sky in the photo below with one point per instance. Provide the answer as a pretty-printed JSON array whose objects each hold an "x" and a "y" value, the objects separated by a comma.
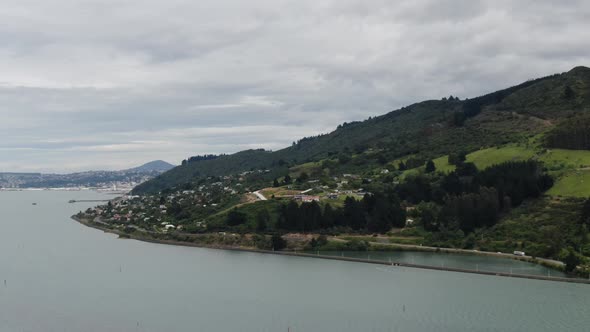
[{"x": 112, "y": 84}]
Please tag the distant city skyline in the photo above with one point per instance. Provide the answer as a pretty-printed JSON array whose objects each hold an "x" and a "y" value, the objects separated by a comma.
[{"x": 105, "y": 85}]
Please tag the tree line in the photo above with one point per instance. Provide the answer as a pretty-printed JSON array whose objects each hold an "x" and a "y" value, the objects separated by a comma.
[
  {"x": 472, "y": 107},
  {"x": 373, "y": 213},
  {"x": 201, "y": 158},
  {"x": 571, "y": 134},
  {"x": 468, "y": 198}
]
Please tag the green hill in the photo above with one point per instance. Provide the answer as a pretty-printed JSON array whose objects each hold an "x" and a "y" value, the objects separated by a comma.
[
  {"x": 424, "y": 130},
  {"x": 509, "y": 170}
]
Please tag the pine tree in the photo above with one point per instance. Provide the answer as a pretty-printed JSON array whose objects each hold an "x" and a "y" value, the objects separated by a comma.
[{"x": 430, "y": 167}]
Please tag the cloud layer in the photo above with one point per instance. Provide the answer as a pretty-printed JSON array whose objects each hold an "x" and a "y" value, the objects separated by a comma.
[{"x": 112, "y": 84}]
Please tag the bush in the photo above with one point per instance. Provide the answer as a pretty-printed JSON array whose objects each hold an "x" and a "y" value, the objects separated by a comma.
[{"x": 277, "y": 242}]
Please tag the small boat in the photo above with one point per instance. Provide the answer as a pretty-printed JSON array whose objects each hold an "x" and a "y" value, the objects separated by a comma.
[{"x": 34, "y": 203}]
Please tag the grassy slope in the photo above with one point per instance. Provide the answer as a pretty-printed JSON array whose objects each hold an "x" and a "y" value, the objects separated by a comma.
[
  {"x": 570, "y": 168},
  {"x": 493, "y": 156},
  {"x": 483, "y": 158},
  {"x": 574, "y": 184}
]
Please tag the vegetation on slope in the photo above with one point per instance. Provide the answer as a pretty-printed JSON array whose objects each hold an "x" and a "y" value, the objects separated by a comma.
[
  {"x": 463, "y": 173},
  {"x": 427, "y": 129}
]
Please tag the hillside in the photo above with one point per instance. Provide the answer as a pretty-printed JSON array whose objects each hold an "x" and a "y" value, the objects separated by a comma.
[
  {"x": 152, "y": 166},
  {"x": 424, "y": 130},
  {"x": 507, "y": 171}
]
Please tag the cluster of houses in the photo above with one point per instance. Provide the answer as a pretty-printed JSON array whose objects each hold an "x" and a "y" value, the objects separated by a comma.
[
  {"x": 159, "y": 212},
  {"x": 155, "y": 212}
]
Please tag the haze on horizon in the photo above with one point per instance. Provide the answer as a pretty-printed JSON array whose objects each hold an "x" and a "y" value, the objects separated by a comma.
[{"x": 111, "y": 85}]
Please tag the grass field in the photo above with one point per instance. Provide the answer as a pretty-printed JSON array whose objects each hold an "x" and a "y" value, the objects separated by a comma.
[
  {"x": 559, "y": 159},
  {"x": 442, "y": 164},
  {"x": 493, "y": 156},
  {"x": 569, "y": 168},
  {"x": 309, "y": 168},
  {"x": 572, "y": 184}
]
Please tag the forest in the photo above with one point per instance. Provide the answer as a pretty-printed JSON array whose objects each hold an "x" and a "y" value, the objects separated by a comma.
[{"x": 465, "y": 199}]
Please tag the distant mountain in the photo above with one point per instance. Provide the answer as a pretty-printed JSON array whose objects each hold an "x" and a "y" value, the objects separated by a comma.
[
  {"x": 424, "y": 130},
  {"x": 153, "y": 166},
  {"x": 94, "y": 179}
]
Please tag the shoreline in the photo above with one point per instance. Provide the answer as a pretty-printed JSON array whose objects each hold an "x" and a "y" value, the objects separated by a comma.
[
  {"x": 549, "y": 263},
  {"x": 337, "y": 258}
]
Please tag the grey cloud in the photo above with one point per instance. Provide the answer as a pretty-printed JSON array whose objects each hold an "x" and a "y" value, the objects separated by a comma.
[{"x": 107, "y": 84}]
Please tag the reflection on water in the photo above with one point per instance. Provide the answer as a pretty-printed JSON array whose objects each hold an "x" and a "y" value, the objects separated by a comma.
[{"x": 459, "y": 261}]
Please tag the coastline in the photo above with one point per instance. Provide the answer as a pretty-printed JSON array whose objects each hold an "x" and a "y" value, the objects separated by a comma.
[{"x": 338, "y": 258}]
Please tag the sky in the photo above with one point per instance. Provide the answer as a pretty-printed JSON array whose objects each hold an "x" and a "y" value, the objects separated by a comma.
[{"x": 111, "y": 84}]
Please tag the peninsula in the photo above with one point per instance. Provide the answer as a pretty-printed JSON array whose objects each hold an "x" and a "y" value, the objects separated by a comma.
[{"x": 507, "y": 172}]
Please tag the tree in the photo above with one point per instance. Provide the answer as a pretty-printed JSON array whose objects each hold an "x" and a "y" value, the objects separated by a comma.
[
  {"x": 458, "y": 119},
  {"x": 310, "y": 216},
  {"x": 402, "y": 166},
  {"x": 287, "y": 179},
  {"x": 277, "y": 242},
  {"x": 571, "y": 260},
  {"x": 568, "y": 93},
  {"x": 585, "y": 217},
  {"x": 466, "y": 169},
  {"x": 381, "y": 159},
  {"x": 276, "y": 183},
  {"x": 262, "y": 220},
  {"x": 415, "y": 189},
  {"x": 302, "y": 177},
  {"x": 428, "y": 213},
  {"x": 457, "y": 158},
  {"x": 353, "y": 214},
  {"x": 430, "y": 167},
  {"x": 384, "y": 211},
  {"x": 473, "y": 210},
  {"x": 289, "y": 216},
  {"x": 343, "y": 158},
  {"x": 328, "y": 217},
  {"x": 235, "y": 217}
]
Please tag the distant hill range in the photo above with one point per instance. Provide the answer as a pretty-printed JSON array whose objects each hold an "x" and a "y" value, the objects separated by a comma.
[{"x": 94, "y": 179}]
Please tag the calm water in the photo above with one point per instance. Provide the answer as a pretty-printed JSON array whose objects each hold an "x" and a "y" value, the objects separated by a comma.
[{"x": 62, "y": 276}]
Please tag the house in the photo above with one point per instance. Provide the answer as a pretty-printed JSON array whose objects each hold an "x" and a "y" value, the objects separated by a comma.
[
  {"x": 333, "y": 196},
  {"x": 306, "y": 198}
]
